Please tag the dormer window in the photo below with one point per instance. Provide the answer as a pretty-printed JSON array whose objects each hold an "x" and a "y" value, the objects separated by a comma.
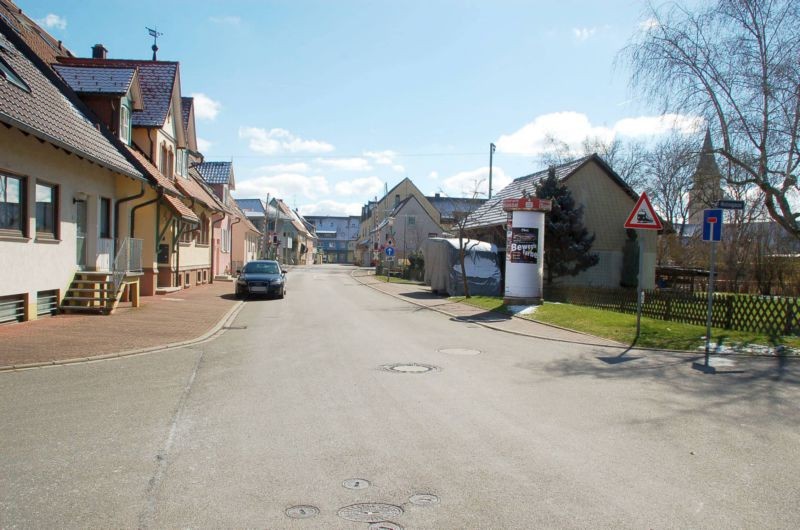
[
  {"x": 7, "y": 73},
  {"x": 125, "y": 124}
]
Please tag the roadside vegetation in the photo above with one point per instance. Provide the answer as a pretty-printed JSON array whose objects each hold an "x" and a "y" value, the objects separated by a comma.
[
  {"x": 660, "y": 334},
  {"x": 397, "y": 279}
]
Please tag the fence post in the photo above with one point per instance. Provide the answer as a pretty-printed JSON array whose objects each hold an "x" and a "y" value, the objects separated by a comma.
[
  {"x": 729, "y": 311},
  {"x": 788, "y": 327}
]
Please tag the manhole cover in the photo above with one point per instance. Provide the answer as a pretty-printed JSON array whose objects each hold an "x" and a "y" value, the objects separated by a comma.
[
  {"x": 370, "y": 512},
  {"x": 410, "y": 368},
  {"x": 459, "y": 351},
  {"x": 303, "y": 511},
  {"x": 356, "y": 484},
  {"x": 385, "y": 525},
  {"x": 423, "y": 499}
]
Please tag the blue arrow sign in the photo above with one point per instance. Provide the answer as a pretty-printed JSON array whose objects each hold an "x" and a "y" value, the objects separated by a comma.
[
  {"x": 712, "y": 225},
  {"x": 390, "y": 251}
]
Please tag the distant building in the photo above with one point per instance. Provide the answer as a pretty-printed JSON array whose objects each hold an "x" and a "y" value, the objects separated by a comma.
[
  {"x": 337, "y": 237},
  {"x": 706, "y": 183}
]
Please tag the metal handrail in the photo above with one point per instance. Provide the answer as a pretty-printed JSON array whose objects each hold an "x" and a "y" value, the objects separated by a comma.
[{"x": 128, "y": 259}]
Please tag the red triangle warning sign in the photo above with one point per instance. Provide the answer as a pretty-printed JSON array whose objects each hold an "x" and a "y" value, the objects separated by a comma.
[{"x": 643, "y": 216}]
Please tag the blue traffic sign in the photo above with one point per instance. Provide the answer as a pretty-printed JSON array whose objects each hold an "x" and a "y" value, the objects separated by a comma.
[
  {"x": 712, "y": 225},
  {"x": 390, "y": 251}
]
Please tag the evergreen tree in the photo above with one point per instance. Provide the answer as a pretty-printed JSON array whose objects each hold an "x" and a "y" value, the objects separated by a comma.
[{"x": 567, "y": 243}]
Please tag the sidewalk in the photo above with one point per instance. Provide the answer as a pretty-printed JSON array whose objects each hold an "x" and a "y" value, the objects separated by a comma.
[
  {"x": 160, "y": 321},
  {"x": 421, "y": 295}
]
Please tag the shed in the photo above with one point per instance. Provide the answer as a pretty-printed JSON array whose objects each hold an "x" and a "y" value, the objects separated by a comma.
[{"x": 443, "y": 268}]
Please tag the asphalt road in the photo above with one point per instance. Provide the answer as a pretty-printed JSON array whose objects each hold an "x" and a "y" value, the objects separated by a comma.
[{"x": 292, "y": 401}]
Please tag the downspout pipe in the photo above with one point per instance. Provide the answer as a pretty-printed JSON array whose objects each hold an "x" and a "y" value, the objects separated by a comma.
[
  {"x": 213, "y": 246},
  {"x": 133, "y": 211},
  {"x": 116, "y": 209},
  {"x": 230, "y": 236}
]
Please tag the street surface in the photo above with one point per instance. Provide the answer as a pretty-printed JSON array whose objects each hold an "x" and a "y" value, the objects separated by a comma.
[{"x": 292, "y": 401}]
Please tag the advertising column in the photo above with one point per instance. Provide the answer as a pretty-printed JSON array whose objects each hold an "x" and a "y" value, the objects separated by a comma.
[{"x": 525, "y": 250}]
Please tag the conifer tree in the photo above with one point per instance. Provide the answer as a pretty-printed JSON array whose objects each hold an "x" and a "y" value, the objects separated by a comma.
[{"x": 567, "y": 243}]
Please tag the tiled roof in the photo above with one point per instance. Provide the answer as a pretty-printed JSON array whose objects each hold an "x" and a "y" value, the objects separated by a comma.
[
  {"x": 180, "y": 208},
  {"x": 42, "y": 44},
  {"x": 251, "y": 207},
  {"x": 186, "y": 107},
  {"x": 448, "y": 207},
  {"x": 153, "y": 173},
  {"x": 216, "y": 172},
  {"x": 96, "y": 80},
  {"x": 293, "y": 217},
  {"x": 492, "y": 213},
  {"x": 47, "y": 113},
  {"x": 192, "y": 188},
  {"x": 156, "y": 78}
]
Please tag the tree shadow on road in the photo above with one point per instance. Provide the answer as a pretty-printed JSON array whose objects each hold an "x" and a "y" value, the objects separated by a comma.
[{"x": 486, "y": 316}]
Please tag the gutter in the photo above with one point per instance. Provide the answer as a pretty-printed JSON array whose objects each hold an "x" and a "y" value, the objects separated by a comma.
[
  {"x": 116, "y": 209},
  {"x": 213, "y": 246}
]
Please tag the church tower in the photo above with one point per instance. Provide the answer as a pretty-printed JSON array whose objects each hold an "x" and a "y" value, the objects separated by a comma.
[{"x": 706, "y": 183}]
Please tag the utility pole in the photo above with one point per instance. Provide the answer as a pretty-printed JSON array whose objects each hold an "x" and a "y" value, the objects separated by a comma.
[
  {"x": 266, "y": 229},
  {"x": 492, "y": 147}
]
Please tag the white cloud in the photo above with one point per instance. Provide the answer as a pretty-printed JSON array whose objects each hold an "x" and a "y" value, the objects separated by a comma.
[
  {"x": 573, "y": 127},
  {"x": 464, "y": 184},
  {"x": 231, "y": 20},
  {"x": 203, "y": 145},
  {"x": 53, "y": 21},
  {"x": 656, "y": 125},
  {"x": 205, "y": 108},
  {"x": 274, "y": 141},
  {"x": 583, "y": 34},
  {"x": 284, "y": 185},
  {"x": 384, "y": 158},
  {"x": 294, "y": 167},
  {"x": 363, "y": 186},
  {"x": 647, "y": 25},
  {"x": 399, "y": 168},
  {"x": 345, "y": 164},
  {"x": 433, "y": 175},
  {"x": 328, "y": 207}
]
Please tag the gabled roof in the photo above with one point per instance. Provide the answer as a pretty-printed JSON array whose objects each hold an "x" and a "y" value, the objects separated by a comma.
[
  {"x": 187, "y": 105},
  {"x": 181, "y": 209},
  {"x": 492, "y": 213},
  {"x": 84, "y": 80},
  {"x": 155, "y": 176},
  {"x": 217, "y": 172},
  {"x": 193, "y": 189},
  {"x": 38, "y": 40},
  {"x": 294, "y": 218},
  {"x": 50, "y": 111},
  {"x": 158, "y": 80},
  {"x": 449, "y": 207}
]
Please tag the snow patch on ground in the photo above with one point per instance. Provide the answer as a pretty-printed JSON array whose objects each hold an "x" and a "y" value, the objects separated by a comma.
[
  {"x": 522, "y": 309},
  {"x": 757, "y": 349}
]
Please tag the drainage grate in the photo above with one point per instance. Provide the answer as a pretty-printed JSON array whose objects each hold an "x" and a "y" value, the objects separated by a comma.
[
  {"x": 424, "y": 499},
  {"x": 356, "y": 484},
  {"x": 370, "y": 512},
  {"x": 459, "y": 351},
  {"x": 234, "y": 327},
  {"x": 410, "y": 368},
  {"x": 385, "y": 525},
  {"x": 303, "y": 511}
]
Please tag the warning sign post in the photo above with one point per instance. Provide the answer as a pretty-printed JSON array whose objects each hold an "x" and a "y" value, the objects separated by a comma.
[{"x": 642, "y": 217}]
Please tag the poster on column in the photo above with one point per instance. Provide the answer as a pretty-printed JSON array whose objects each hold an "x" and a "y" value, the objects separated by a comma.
[{"x": 524, "y": 245}]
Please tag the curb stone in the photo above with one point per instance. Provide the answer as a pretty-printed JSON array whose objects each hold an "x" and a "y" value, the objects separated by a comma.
[{"x": 215, "y": 329}]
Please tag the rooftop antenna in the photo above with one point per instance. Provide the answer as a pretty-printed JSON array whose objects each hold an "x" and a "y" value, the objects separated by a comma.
[{"x": 155, "y": 34}]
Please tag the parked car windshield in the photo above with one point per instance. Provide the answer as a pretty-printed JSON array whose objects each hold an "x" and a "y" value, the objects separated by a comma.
[{"x": 255, "y": 267}]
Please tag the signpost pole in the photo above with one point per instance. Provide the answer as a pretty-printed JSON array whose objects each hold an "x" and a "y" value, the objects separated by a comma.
[
  {"x": 639, "y": 288},
  {"x": 710, "y": 300}
]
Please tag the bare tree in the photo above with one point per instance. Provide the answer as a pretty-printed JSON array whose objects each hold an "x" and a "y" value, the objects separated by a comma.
[
  {"x": 735, "y": 63},
  {"x": 459, "y": 226},
  {"x": 627, "y": 158},
  {"x": 669, "y": 167}
]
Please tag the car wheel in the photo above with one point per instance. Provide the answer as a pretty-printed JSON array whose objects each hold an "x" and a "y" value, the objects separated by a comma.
[
  {"x": 238, "y": 294},
  {"x": 283, "y": 293}
]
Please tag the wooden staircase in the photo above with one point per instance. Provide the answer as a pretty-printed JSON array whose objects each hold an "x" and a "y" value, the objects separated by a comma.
[{"x": 92, "y": 292}]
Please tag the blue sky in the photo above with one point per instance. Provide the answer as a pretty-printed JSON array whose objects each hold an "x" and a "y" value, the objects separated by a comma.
[{"x": 324, "y": 102}]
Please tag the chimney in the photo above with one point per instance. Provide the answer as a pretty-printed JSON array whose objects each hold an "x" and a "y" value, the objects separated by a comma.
[
  {"x": 99, "y": 51},
  {"x": 436, "y": 196}
]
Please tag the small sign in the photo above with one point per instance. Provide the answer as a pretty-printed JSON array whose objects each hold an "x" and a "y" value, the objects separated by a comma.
[
  {"x": 712, "y": 225},
  {"x": 389, "y": 251},
  {"x": 730, "y": 205},
  {"x": 524, "y": 245},
  {"x": 643, "y": 216},
  {"x": 531, "y": 204}
]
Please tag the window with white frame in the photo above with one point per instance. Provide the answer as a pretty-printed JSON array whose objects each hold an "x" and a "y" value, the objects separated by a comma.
[
  {"x": 46, "y": 210},
  {"x": 12, "y": 204},
  {"x": 125, "y": 124}
]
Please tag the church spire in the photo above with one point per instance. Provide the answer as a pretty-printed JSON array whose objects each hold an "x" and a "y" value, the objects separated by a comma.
[{"x": 706, "y": 182}]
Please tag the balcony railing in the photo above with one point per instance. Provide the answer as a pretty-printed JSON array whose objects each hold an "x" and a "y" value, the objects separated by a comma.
[{"x": 128, "y": 260}]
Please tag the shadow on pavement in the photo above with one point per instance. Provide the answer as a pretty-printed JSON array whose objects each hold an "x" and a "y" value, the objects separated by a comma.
[
  {"x": 486, "y": 316},
  {"x": 422, "y": 295}
]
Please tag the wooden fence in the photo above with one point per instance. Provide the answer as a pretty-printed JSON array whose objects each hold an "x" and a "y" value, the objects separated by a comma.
[{"x": 773, "y": 315}]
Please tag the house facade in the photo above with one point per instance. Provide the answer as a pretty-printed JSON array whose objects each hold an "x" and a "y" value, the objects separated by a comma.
[
  {"x": 61, "y": 173},
  {"x": 607, "y": 201},
  {"x": 337, "y": 237},
  {"x": 406, "y": 227}
]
